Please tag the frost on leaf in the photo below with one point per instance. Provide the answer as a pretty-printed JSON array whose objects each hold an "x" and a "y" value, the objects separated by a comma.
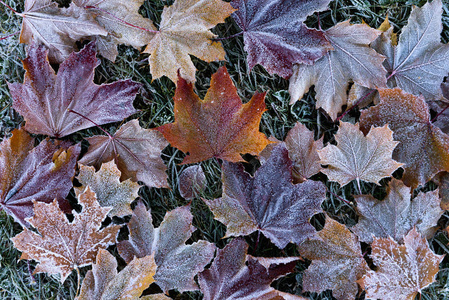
[
  {"x": 219, "y": 126},
  {"x": 177, "y": 263},
  {"x": 110, "y": 191},
  {"x": 423, "y": 147},
  {"x": 337, "y": 261},
  {"x": 352, "y": 60},
  {"x": 275, "y": 35},
  {"x": 135, "y": 151},
  {"x": 44, "y": 99},
  {"x": 235, "y": 275},
  {"x": 192, "y": 182},
  {"x": 103, "y": 282},
  {"x": 359, "y": 157},
  {"x": 402, "y": 270},
  {"x": 42, "y": 174},
  {"x": 269, "y": 201},
  {"x": 397, "y": 214},
  {"x": 183, "y": 31},
  {"x": 62, "y": 246}
]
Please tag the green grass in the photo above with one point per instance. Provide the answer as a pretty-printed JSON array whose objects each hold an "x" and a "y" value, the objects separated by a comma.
[{"x": 156, "y": 108}]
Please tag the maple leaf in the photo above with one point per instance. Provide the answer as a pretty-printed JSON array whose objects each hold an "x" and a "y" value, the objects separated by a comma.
[
  {"x": 442, "y": 179},
  {"x": 419, "y": 62},
  {"x": 44, "y": 99},
  {"x": 123, "y": 23},
  {"x": 275, "y": 36},
  {"x": 136, "y": 152},
  {"x": 402, "y": 270},
  {"x": 41, "y": 174},
  {"x": 192, "y": 182},
  {"x": 184, "y": 30},
  {"x": 177, "y": 263},
  {"x": 218, "y": 126},
  {"x": 57, "y": 28},
  {"x": 103, "y": 281},
  {"x": 422, "y": 146},
  {"x": 359, "y": 157},
  {"x": 236, "y": 275},
  {"x": 396, "y": 215},
  {"x": 337, "y": 261},
  {"x": 268, "y": 202},
  {"x": 110, "y": 191},
  {"x": 62, "y": 246},
  {"x": 352, "y": 59}
]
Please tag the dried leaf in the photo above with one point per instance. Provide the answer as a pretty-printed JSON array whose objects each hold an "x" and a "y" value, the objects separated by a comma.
[
  {"x": 218, "y": 126},
  {"x": 359, "y": 157},
  {"x": 136, "y": 152},
  {"x": 352, "y": 59},
  {"x": 337, "y": 261},
  {"x": 103, "y": 282},
  {"x": 177, "y": 263},
  {"x": 268, "y": 202},
  {"x": 442, "y": 179},
  {"x": 110, "y": 191},
  {"x": 275, "y": 35},
  {"x": 61, "y": 246},
  {"x": 184, "y": 30},
  {"x": 422, "y": 146},
  {"x": 402, "y": 270},
  {"x": 41, "y": 174},
  {"x": 192, "y": 182},
  {"x": 44, "y": 99}
]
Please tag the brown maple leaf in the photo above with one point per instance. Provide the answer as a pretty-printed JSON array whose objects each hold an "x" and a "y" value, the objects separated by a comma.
[
  {"x": 218, "y": 126},
  {"x": 192, "y": 182},
  {"x": 62, "y": 246}
]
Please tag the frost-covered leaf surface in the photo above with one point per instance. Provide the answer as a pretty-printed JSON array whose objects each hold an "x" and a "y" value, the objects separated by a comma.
[
  {"x": 43, "y": 173},
  {"x": 352, "y": 60},
  {"x": 110, "y": 191},
  {"x": 402, "y": 270},
  {"x": 269, "y": 201},
  {"x": 337, "y": 261},
  {"x": 397, "y": 214},
  {"x": 192, "y": 182},
  {"x": 136, "y": 152},
  {"x": 45, "y": 98},
  {"x": 275, "y": 36},
  {"x": 177, "y": 263},
  {"x": 423, "y": 147},
  {"x": 61, "y": 246}
]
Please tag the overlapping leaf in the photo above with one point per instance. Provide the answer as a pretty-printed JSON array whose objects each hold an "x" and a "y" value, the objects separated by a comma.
[
  {"x": 268, "y": 202},
  {"x": 275, "y": 36},
  {"x": 177, "y": 263},
  {"x": 136, "y": 152},
  {"x": 41, "y": 174},
  {"x": 218, "y": 126},
  {"x": 44, "y": 99},
  {"x": 62, "y": 246},
  {"x": 192, "y": 182}
]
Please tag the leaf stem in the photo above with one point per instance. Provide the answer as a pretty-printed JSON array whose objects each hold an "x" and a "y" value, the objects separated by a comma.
[
  {"x": 439, "y": 114},
  {"x": 9, "y": 35},
  {"x": 338, "y": 197},
  {"x": 78, "y": 280},
  {"x": 357, "y": 103},
  {"x": 72, "y": 111},
  {"x": 1, "y": 1},
  {"x": 227, "y": 37}
]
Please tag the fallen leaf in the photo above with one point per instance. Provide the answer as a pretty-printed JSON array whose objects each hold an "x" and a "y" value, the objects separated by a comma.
[
  {"x": 359, "y": 157},
  {"x": 403, "y": 271},
  {"x": 103, "y": 281},
  {"x": 218, "y": 126},
  {"x": 269, "y": 201},
  {"x": 396, "y": 215},
  {"x": 110, "y": 191},
  {"x": 192, "y": 182},
  {"x": 422, "y": 146},
  {"x": 177, "y": 263},
  {"x": 337, "y": 261},
  {"x": 442, "y": 179},
  {"x": 275, "y": 35},
  {"x": 352, "y": 60},
  {"x": 183, "y": 31},
  {"x": 44, "y": 98},
  {"x": 136, "y": 152},
  {"x": 41, "y": 174},
  {"x": 62, "y": 246}
]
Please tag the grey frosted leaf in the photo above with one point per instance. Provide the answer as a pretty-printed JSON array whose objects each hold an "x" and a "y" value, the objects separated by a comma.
[
  {"x": 352, "y": 60},
  {"x": 192, "y": 182},
  {"x": 268, "y": 202},
  {"x": 397, "y": 214}
]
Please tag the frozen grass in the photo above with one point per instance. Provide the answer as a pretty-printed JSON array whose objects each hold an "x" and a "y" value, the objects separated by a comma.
[{"x": 156, "y": 108}]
